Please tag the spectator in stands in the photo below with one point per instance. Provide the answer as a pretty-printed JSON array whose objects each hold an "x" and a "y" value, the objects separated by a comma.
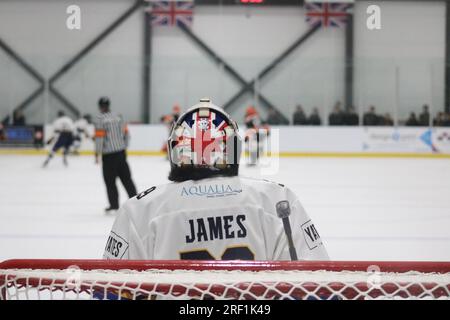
[
  {"x": 424, "y": 117},
  {"x": 412, "y": 120},
  {"x": 387, "y": 120},
  {"x": 18, "y": 118},
  {"x": 446, "y": 119},
  {"x": 351, "y": 118},
  {"x": 336, "y": 118},
  {"x": 314, "y": 118},
  {"x": 273, "y": 118},
  {"x": 438, "y": 120},
  {"x": 371, "y": 118},
  {"x": 299, "y": 117},
  {"x": 6, "y": 120}
]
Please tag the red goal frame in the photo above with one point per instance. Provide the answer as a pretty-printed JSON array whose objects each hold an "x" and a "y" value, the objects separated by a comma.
[{"x": 141, "y": 265}]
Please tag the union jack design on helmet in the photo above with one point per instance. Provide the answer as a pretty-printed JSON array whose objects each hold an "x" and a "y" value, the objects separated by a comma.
[{"x": 204, "y": 136}]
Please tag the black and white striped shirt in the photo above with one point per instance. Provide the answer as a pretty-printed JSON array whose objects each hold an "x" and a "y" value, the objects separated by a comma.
[{"x": 111, "y": 134}]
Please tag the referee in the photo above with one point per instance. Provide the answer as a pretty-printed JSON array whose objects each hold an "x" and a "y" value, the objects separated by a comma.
[{"x": 111, "y": 137}]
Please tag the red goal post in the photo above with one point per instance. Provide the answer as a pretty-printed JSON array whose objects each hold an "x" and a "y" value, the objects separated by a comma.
[{"x": 280, "y": 280}]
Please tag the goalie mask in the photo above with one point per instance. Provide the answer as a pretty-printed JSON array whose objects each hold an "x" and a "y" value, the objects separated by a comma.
[{"x": 204, "y": 139}]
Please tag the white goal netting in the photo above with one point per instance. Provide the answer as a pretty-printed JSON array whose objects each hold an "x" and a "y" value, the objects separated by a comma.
[{"x": 63, "y": 279}]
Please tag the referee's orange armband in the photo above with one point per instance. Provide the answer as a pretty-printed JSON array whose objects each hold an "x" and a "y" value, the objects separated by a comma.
[{"x": 100, "y": 133}]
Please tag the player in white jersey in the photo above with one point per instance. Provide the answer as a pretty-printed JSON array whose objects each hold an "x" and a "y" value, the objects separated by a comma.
[
  {"x": 63, "y": 128},
  {"x": 83, "y": 129},
  {"x": 209, "y": 212}
]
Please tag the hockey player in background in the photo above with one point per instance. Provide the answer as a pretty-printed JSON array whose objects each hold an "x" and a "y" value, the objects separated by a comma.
[
  {"x": 84, "y": 129},
  {"x": 63, "y": 129},
  {"x": 168, "y": 120},
  {"x": 208, "y": 211},
  {"x": 255, "y": 135}
]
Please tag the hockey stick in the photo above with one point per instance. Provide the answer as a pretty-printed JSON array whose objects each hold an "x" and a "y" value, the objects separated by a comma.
[
  {"x": 283, "y": 212},
  {"x": 50, "y": 140}
]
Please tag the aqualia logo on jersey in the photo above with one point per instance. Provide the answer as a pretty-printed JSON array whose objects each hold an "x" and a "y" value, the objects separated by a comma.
[{"x": 210, "y": 191}]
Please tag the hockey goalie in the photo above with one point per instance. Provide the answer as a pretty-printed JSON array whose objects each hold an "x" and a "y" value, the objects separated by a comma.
[{"x": 208, "y": 211}]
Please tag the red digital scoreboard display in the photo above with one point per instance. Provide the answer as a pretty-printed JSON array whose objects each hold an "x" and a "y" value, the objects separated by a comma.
[{"x": 251, "y": 1}]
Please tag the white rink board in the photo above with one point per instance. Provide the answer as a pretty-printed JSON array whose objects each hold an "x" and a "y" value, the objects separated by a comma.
[{"x": 151, "y": 138}]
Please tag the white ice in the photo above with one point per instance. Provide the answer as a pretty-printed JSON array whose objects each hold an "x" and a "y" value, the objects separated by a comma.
[{"x": 364, "y": 208}]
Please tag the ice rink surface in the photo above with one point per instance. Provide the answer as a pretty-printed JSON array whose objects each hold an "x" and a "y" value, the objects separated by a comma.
[{"x": 364, "y": 208}]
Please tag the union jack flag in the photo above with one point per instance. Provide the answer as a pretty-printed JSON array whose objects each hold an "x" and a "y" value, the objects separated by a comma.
[
  {"x": 203, "y": 139},
  {"x": 327, "y": 14},
  {"x": 170, "y": 13}
]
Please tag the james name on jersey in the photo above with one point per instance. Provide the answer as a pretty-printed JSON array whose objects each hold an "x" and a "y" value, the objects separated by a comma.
[{"x": 212, "y": 228}]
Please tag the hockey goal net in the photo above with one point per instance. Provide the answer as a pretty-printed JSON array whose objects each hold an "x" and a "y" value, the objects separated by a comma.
[{"x": 313, "y": 280}]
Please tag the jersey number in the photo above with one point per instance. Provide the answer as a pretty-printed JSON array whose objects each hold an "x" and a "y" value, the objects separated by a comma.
[{"x": 232, "y": 253}]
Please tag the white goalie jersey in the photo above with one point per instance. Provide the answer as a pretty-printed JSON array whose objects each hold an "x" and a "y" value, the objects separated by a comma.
[{"x": 225, "y": 218}]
